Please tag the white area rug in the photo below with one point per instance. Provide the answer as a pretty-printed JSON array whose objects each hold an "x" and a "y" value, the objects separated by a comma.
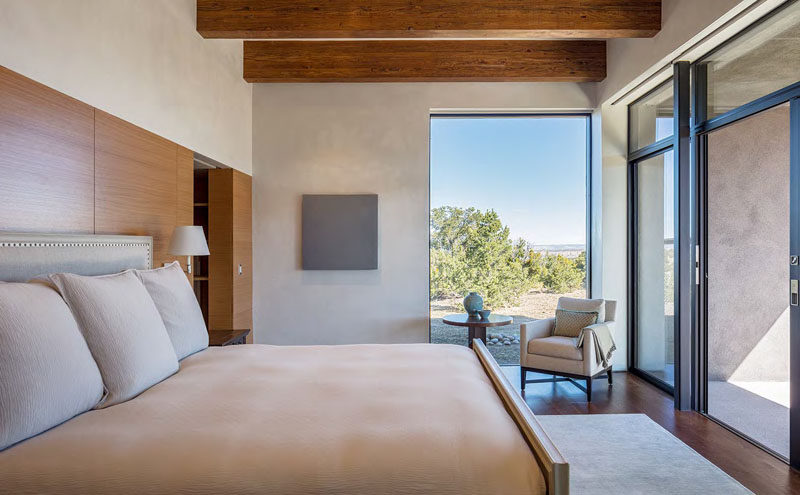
[{"x": 631, "y": 454}]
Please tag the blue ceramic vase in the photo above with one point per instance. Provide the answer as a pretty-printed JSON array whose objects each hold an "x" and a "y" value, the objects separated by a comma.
[{"x": 473, "y": 303}]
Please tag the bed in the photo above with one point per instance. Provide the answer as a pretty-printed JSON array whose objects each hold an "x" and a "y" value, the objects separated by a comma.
[{"x": 410, "y": 418}]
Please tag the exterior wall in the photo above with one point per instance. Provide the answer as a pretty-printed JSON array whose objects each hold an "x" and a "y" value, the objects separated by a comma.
[
  {"x": 357, "y": 138},
  {"x": 613, "y": 217},
  {"x": 142, "y": 61},
  {"x": 748, "y": 249}
]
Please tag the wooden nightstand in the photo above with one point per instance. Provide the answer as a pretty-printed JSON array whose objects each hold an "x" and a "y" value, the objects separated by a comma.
[{"x": 227, "y": 337}]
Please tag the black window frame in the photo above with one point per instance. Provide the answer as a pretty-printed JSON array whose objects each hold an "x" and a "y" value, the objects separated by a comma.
[
  {"x": 690, "y": 144},
  {"x": 589, "y": 167},
  {"x": 683, "y": 238}
]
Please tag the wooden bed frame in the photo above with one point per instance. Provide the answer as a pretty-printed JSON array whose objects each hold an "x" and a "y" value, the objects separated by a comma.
[{"x": 554, "y": 467}]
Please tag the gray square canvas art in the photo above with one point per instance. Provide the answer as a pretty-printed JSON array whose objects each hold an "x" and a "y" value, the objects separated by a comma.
[{"x": 340, "y": 232}]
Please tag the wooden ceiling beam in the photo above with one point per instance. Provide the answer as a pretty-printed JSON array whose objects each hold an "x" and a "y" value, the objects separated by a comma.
[
  {"x": 424, "y": 60},
  {"x": 476, "y": 19}
]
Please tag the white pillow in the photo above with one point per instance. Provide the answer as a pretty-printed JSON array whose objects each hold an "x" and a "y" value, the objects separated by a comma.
[
  {"x": 124, "y": 331},
  {"x": 47, "y": 374},
  {"x": 177, "y": 304}
]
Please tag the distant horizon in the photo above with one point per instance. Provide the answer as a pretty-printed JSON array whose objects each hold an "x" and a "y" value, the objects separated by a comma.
[
  {"x": 543, "y": 246},
  {"x": 530, "y": 170}
]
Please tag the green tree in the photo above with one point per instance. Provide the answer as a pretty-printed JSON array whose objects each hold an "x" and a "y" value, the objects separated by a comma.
[
  {"x": 472, "y": 250},
  {"x": 580, "y": 265}
]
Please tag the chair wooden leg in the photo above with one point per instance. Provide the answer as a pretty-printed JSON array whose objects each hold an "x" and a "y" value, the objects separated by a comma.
[
  {"x": 589, "y": 389},
  {"x": 522, "y": 376},
  {"x": 610, "y": 377}
]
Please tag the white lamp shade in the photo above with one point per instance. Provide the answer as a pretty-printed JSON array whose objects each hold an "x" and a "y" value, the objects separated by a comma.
[{"x": 188, "y": 240}]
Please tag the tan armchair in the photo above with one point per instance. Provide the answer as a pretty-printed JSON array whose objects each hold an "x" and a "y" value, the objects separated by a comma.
[{"x": 542, "y": 352}]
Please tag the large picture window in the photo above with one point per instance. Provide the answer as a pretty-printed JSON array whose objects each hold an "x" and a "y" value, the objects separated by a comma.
[
  {"x": 652, "y": 236},
  {"x": 651, "y": 118},
  {"x": 509, "y": 217},
  {"x": 760, "y": 61},
  {"x": 655, "y": 267}
]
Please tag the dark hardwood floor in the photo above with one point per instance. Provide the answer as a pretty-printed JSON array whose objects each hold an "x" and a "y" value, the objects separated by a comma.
[{"x": 757, "y": 470}]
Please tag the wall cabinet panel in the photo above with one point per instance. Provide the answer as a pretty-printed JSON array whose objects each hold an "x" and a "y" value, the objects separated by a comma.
[
  {"x": 242, "y": 251},
  {"x": 220, "y": 244},
  {"x": 230, "y": 242}
]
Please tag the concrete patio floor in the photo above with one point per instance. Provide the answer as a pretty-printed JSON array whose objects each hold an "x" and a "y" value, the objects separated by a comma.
[{"x": 759, "y": 410}]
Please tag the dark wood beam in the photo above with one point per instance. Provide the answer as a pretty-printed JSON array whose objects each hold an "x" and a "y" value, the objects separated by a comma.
[
  {"x": 424, "y": 60},
  {"x": 477, "y": 19}
]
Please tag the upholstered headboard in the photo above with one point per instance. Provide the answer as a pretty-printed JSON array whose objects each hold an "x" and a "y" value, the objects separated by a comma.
[{"x": 24, "y": 256}]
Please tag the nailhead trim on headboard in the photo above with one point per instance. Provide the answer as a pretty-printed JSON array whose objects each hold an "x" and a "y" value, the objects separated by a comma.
[{"x": 82, "y": 244}]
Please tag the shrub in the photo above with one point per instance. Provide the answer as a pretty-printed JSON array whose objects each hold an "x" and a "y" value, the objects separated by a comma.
[
  {"x": 562, "y": 274},
  {"x": 472, "y": 250}
]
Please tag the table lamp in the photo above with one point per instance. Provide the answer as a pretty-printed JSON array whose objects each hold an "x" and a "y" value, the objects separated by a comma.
[{"x": 188, "y": 240}]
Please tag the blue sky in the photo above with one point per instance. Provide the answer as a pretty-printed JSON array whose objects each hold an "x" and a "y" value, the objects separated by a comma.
[{"x": 531, "y": 171}]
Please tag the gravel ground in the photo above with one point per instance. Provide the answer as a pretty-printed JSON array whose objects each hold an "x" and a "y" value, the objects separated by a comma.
[{"x": 533, "y": 305}]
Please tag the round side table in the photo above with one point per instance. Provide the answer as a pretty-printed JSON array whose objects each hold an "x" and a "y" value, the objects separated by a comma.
[{"x": 477, "y": 326}]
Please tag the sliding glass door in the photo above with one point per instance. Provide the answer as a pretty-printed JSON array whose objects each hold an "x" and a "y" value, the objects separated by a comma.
[
  {"x": 714, "y": 234},
  {"x": 747, "y": 135},
  {"x": 748, "y": 263}
]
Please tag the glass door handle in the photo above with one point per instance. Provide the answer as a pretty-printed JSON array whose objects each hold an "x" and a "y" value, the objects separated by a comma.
[{"x": 794, "y": 292}]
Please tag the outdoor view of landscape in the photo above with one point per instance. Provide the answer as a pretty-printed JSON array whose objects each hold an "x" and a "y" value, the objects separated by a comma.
[{"x": 508, "y": 220}]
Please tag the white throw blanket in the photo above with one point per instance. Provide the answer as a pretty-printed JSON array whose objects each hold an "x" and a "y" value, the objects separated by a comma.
[{"x": 604, "y": 344}]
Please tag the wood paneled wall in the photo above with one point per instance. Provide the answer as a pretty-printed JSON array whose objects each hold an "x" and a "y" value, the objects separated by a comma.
[
  {"x": 136, "y": 183},
  {"x": 46, "y": 158},
  {"x": 68, "y": 167},
  {"x": 184, "y": 208}
]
